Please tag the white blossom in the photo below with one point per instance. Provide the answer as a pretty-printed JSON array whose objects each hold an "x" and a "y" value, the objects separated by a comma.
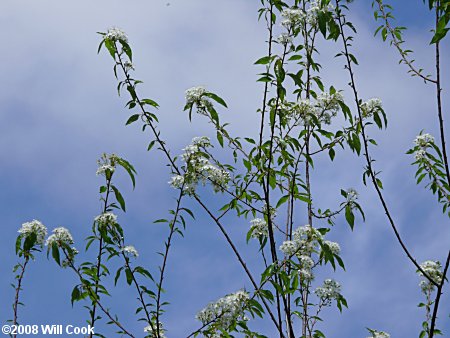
[
  {"x": 153, "y": 332},
  {"x": 304, "y": 241},
  {"x": 284, "y": 39},
  {"x": 129, "y": 249},
  {"x": 107, "y": 218},
  {"x": 60, "y": 235},
  {"x": 306, "y": 262},
  {"x": 202, "y": 141},
  {"x": 324, "y": 108},
  {"x": 34, "y": 227},
  {"x": 433, "y": 270},
  {"x": 334, "y": 247},
  {"x": 306, "y": 275},
  {"x": 259, "y": 228},
  {"x": 314, "y": 9},
  {"x": 198, "y": 168},
  {"x": 128, "y": 66},
  {"x": 194, "y": 94},
  {"x": 424, "y": 140},
  {"x": 115, "y": 34},
  {"x": 225, "y": 311},
  {"x": 379, "y": 334},
  {"x": 420, "y": 154},
  {"x": 369, "y": 107},
  {"x": 106, "y": 163},
  {"x": 306, "y": 232},
  {"x": 328, "y": 291},
  {"x": 101, "y": 170},
  {"x": 352, "y": 195},
  {"x": 292, "y": 17},
  {"x": 327, "y": 106},
  {"x": 289, "y": 248},
  {"x": 176, "y": 181}
]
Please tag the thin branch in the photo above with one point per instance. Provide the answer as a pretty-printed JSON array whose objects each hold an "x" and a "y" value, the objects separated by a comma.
[
  {"x": 397, "y": 44},
  {"x": 366, "y": 147},
  {"x": 19, "y": 287}
]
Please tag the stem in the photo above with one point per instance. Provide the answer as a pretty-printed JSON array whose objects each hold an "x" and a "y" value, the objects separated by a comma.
[
  {"x": 397, "y": 43},
  {"x": 366, "y": 148},
  {"x": 439, "y": 102},
  {"x": 163, "y": 267},
  {"x": 92, "y": 295},
  {"x": 241, "y": 261},
  {"x": 19, "y": 287},
  {"x": 99, "y": 256},
  {"x": 438, "y": 296}
]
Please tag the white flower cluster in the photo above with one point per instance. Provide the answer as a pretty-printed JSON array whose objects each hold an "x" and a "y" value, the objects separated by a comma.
[
  {"x": 419, "y": 154},
  {"x": 34, "y": 227},
  {"x": 128, "y": 66},
  {"x": 131, "y": 250},
  {"x": 325, "y": 107},
  {"x": 292, "y": 17},
  {"x": 198, "y": 168},
  {"x": 273, "y": 211},
  {"x": 225, "y": 311},
  {"x": 153, "y": 332},
  {"x": 106, "y": 164},
  {"x": 422, "y": 142},
  {"x": 379, "y": 334},
  {"x": 334, "y": 247},
  {"x": 328, "y": 291},
  {"x": 314, "y": 10},
  {"x": 196, "y": 95},
  {"x": 352, "y": 195},
  {"x": 284, "y": 39},
  {"x": 305, "y": 241},
  {"x": 105, "y": 219},
  {"x": 369, "y": 107},
  {"x": 115, "y": 34},
  {"x": 60, "y": 235},
  {"x": 433, "y": 270},
  {"x": 259, "y": 228}
]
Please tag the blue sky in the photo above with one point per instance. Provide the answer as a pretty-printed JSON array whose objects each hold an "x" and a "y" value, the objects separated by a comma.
[{"x": 60, "y": 111}]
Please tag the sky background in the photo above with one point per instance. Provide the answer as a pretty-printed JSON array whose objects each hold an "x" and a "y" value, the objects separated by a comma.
[{"x": 59, "y": 111}]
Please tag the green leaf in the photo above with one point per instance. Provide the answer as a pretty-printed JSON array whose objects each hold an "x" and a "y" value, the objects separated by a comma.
[
  {"x": 322, "y": 23},
  {"x": 379, "y": 183},
  {"x": 129, "y": 276},
  {"x": 30, "y": 241},
  {"x": 213, "y": 113},
  {"x": 133, "y": 118},
  {"x": 265, "y": 60},
  {"x": 220, "y": 138},
  {"x": 18, "y": 243},
  {"x": 117, "y": 275},
  {"x": 55, "y": 253},
  {"x": 216, "y": 98},
  {"x": 119, "y": 198},
  {"x": 129, "y": 169},
  {"x": 282, "y": 200},
  {"x": 332, "y": 153},
  {"x": 75, "y": 295},
  {"x": 349, "y": 216},
  {"x": 150, "y": 103},
  {"x": 111, "y": 48}
]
